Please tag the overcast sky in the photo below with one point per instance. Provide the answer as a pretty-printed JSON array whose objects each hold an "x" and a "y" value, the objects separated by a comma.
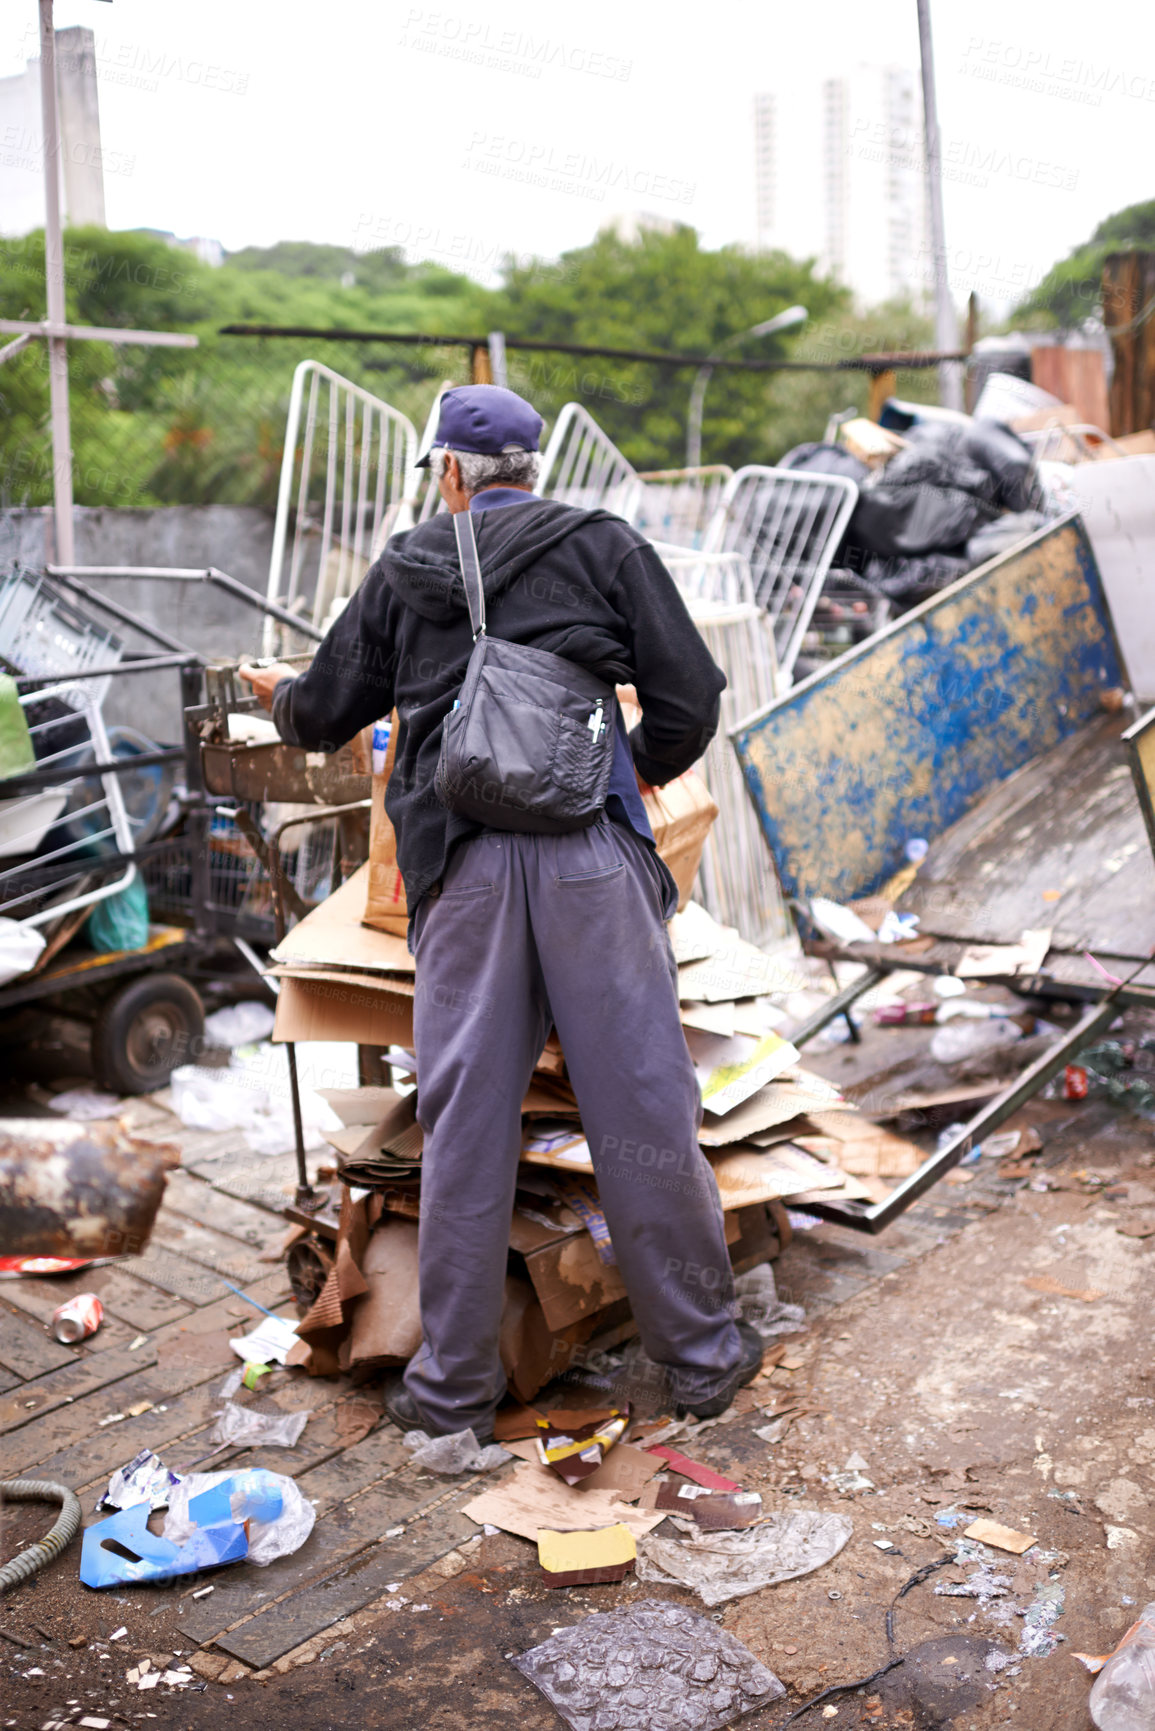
[{"x": 371, "y": 122}]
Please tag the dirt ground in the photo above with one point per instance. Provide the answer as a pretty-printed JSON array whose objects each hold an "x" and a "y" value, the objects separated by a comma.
[{"x": 1000, "y": 1368}]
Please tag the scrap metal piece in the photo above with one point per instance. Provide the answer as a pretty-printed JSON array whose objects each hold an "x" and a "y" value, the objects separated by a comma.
[{"x": 78, "y": 1190}]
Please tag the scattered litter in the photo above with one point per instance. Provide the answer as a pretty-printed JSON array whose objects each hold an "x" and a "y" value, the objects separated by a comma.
[
  {"x": 583, "y": 1559},
  {"x": 1053, "y": 1288},
  {"x": 84, "y": 1104},
  {"x": 271, "y": 1340},
  {"x": 121, "y": 1548},
  {"x": 94, "y": 1723},
  {"x": 135, "y": 1345},
  {"x": 118, "y": 1634},
  {"x": 882, "y": 1544},
  {"x": 711, "y": 1510},
  {"x": 1002, "y": 1538},
  {"x": 849, "y": 1482},
  {"x": 203, "y": 1592},
  {"x": 242, "y": 1426},
  {"x": 694, "y": 1470},
  {"x": 574, "y": 1452},
  {"x": 1038, "y": 1639},
  {"x": 458, "y": 1453},
  {"x": 759, "y": 1304},
  {"x": 721, "y": 1566},
  {"x": 960, "y": 1040},
  {"x": 653, "y": 1664},
  {"x": 1017, "y": 1142},
  {"x": 78, "y": 1319},
  {"x": 279, "y": 1516},
  {"x": 244, "y": 1024},
  {"x": 533, "y": 1497},
  {"x": 145, "y": 1479}
]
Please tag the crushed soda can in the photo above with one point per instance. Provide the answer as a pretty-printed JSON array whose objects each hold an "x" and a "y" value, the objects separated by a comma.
[
  {"x": 77, "y": 1319},
  {"x": 1074, "y": 1082}
]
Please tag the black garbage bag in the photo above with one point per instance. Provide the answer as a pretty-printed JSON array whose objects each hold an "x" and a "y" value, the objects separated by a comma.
[{"x": 952, "y": 478}]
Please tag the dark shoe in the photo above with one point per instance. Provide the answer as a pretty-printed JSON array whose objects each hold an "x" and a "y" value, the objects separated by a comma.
[
  {"x": 407, "y": 1415},
  {"x": 750, "y": 1363}
]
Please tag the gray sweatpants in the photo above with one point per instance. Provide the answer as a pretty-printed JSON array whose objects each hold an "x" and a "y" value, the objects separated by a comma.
[{"x": 527, "y": 930}]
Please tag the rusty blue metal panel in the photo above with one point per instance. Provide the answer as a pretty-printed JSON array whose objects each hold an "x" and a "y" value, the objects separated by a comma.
[{"x": 901, "y": 735}]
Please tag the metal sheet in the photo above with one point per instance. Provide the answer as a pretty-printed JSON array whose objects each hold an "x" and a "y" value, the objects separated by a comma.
[{"x": 903, "y": 734}]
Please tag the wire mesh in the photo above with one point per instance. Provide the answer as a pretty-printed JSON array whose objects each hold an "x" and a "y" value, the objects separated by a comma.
[
  {"x": 347, "y": 482},
  {"x": 63, "y": 847},
  {"x": 44, "y": 632},
  {"x": 677, "y": 505},
  {"x": 582, "y": 466},
  {"x": 787, "y": 526}
]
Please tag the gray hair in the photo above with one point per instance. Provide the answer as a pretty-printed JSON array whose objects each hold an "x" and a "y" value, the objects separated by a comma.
[{"x": 507, "y": 468}]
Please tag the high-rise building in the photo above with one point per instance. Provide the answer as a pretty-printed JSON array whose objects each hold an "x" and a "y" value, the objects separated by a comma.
[
  {"x": 81, "y": 163},
  {"x": 765, "y": 167},
  {"x": 851, "y": 191}
]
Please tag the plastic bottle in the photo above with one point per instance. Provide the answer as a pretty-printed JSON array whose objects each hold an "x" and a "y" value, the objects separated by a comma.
[{"x": 1123, "y": 1698}]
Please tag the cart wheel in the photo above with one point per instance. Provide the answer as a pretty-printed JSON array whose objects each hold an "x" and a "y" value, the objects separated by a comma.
[{"x": 144, "y": 1031}]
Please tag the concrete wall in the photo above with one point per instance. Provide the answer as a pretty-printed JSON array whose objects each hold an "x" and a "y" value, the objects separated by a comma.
[{"x": 235, "y": 538}]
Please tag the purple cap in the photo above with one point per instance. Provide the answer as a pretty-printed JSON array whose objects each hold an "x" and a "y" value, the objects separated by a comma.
[{"x": 487, "y": 420}]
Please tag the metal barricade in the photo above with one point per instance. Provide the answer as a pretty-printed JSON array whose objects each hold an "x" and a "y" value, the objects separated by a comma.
[
  {"x": 787, "y": 526},
  {"x": 677, "y": 505},
  {"x": 44, "y": 632},
  {"x": 64, "y": 847},
  {"x": 582, "y": 466},
  {"x": 736, "y": 882},
  {"x": 347, "y": 481}
]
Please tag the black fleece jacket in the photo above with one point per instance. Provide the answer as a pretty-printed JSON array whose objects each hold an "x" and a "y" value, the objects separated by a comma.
[{"x": 582, "y": 584}]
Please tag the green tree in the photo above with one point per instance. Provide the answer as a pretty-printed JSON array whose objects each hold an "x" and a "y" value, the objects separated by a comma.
[
  {"x": 660, "y": 291},
  {"x": 1071, "y": 290}
]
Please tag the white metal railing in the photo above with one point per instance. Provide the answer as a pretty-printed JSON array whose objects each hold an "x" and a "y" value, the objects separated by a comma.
[
  {"x": 787, "y": 526},
  {"x": 736, "y": 882},
  {"x": 348, "y": 481},
  {"x": 677, "y": 505},
  {"x": 582, "y": 466},
  {"x": 52, "y": 841}
]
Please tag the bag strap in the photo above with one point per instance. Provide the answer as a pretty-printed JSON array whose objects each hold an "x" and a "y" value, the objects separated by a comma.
[{"x": 470, "y": 570}]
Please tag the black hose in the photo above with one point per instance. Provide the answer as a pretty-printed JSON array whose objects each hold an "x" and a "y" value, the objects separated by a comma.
[{"x": 45, "y": 1550}]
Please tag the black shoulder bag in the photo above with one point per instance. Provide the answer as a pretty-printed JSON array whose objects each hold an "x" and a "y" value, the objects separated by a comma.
[{"x": 529, "y": 744}]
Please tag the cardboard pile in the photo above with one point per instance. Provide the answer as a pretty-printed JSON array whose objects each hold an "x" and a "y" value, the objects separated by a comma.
[{"x": 770, "y": 1130}]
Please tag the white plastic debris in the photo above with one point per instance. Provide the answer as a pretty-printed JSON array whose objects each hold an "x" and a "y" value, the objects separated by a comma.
[
  {"x": 21, "y": 947},
  {"x": 145, "y": 1479},
  {"x": 728, "y": 1565},
  {"x": 85, "y": 1104},
  {"x": 285, "y": 1533},
  {"x": 458, "y": 1453},
  {"x": 759, "y": 1304},
  {"x": 242, "y": 1426},
  {"x": 244, "y": 1024},
  {"x": 269, "y": 1343}
]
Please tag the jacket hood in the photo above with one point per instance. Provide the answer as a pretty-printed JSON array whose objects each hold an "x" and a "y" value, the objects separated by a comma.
[{"x": 420, "y": 565}]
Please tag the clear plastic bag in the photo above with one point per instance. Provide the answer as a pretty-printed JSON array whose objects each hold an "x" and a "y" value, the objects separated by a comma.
[
  {"x": 459, "y": 1453},
  {"x": 242, "y": 1426},
  {"x": 1123, "y": 1698},
  {"x": 280, "y": 1516}
]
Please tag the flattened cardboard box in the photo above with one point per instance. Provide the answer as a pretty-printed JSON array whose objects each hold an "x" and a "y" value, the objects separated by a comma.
[{"x": 326, "y": 1010}]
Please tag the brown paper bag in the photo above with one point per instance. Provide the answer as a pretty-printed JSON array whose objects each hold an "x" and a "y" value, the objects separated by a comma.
[{"x": 385, "y": 907}]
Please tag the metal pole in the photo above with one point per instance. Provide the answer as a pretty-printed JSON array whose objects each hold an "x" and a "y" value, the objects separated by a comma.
[
  {"x": 497, "y": 364},
  {"x": 945, "y": 322},
  {"x": 694, "y": 421},
  {"x": 54, "y": 281}
]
